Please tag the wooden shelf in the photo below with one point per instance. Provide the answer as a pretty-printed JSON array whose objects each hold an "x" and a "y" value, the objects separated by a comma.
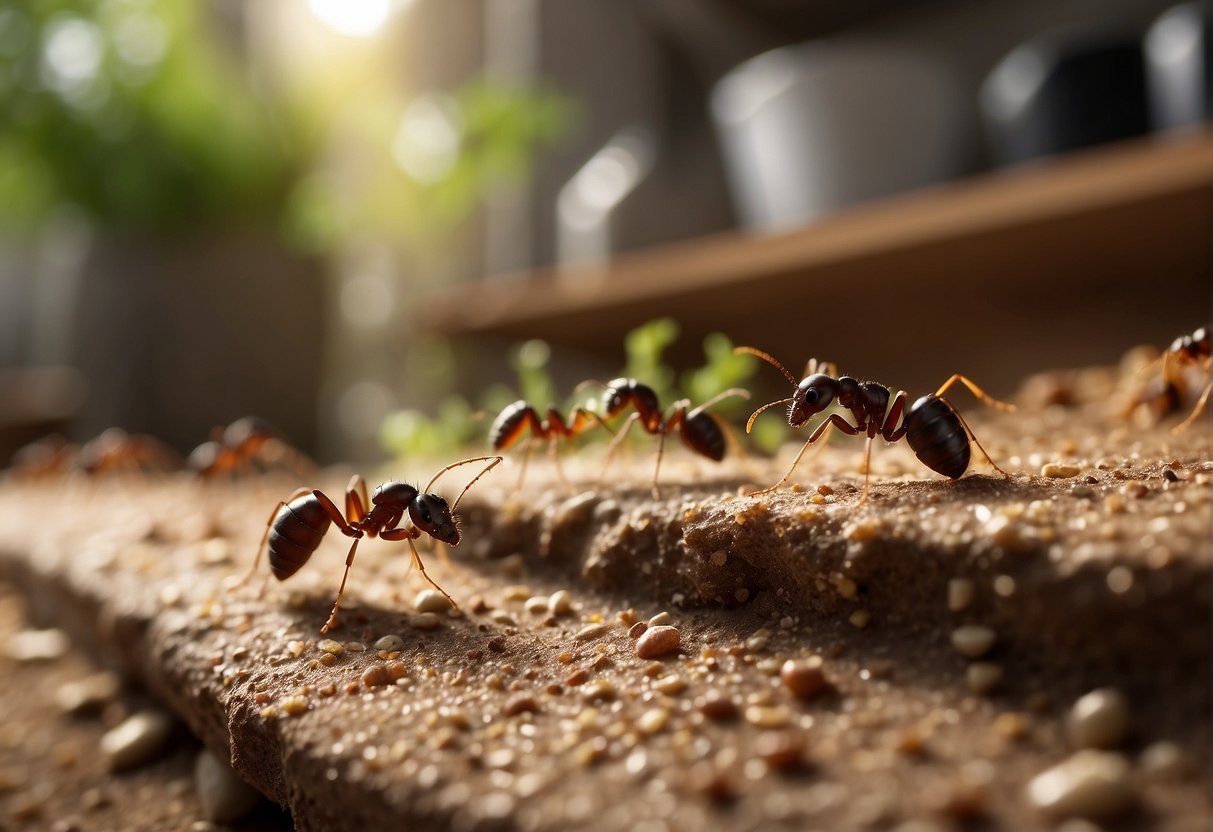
[{"x": 976, "y": 258}]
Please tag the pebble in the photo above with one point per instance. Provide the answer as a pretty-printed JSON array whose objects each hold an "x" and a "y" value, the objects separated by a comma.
[
  {"x": 1089, "y": 784},
  {"x": 431, "y": 600},
  {"x": 138, "y": 739},
  {"x": 973, "y": 640},
  {"x": 37, "y": 645},
  {"x": 780, "y": 749},
  {"x": 592, "y": 631},
  {"x": 294, "y": 705},
  {"x": 1163, "y": 758},
  {"x": 961, "y": 592},
  {"x": 425, "y": 621},
  {"x": 328, "y": 645},
  {"x": 716, "y": 706},
  {"x": 390, "y": 643},
  {"x": 375, "y": 675},
  {"x": 805, "y": 678},
  {"x": 1100, "y": 719},
  {"x": 661, "y": 619},
  {"x": 561, "y": 602},
  {"x": 1060, "y": 470},
  {"x": 522, "y": 703},
  {"x": 87, "y": 695},
  {"x": 537, "y": 605},
  {"x": 223, "y": 795},
  {"x": 657, "y": 642}
]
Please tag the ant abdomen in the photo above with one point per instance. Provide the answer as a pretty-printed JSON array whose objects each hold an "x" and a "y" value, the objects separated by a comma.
[
  {"x": 510, "y": 425},
  {"x": 938, "y": 437},
  {"x": 296, "y": 534},
  {"x": 703, "y": 435}
]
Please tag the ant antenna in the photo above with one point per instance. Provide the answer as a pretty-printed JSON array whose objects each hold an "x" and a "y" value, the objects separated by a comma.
[
  {"x": 754, "y": 415},
  {"x": 770, "y": 359},
  {"x": 496, "y": 460}
]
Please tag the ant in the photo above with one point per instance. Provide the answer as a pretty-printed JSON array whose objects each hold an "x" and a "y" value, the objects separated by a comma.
[
  {"x": 938, "y": 434},
  {"x": 514, "y": 420},
  {"x": 298, "y": 524},
  {"x": 699, "y": 430},
  {"x": 116, "y": 451},
  {"x": 246, "y": 443},
  {"x": 1185, "y": 351}
]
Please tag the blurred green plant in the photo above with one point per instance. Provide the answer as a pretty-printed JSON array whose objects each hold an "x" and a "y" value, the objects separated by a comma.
[
  {"x": 457, "y": 424},
  {"x": 427, "y": 169},
  {"x": 130, "y": 112}
]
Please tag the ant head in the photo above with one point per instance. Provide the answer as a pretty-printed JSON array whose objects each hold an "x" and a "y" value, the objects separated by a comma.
[
  {"x": 397, "y": 495},
  {"x": 813, "y": 394},
  {"x": 431, "y": 514}
]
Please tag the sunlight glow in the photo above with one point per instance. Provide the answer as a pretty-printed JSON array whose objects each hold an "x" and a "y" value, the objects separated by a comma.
[{"x": 355, "y": 18}]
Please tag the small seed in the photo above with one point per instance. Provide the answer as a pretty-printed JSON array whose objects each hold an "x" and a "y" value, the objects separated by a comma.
[
  {"x": 637, "y": 630},
  {"x": 717, "y": 706},
  {"x": 653, "y": 721},
  {"x": 657, "y": 642},
  {"x": 522, "y": 703},
  {"x": 1060, "y": 470},
  {"x": 537, "y": 605},
  {"x": 671, "y": 685},
  {"x": 592, "y": 631},
  {"x": 661, "y": 619},
  {"x": 426, "y": 621},
  {"x": 327, "y": 645},
  {"x": 780, "y": 749},
  {"x": 295, "y": 705},
  {"x": 767, "y": 716}
]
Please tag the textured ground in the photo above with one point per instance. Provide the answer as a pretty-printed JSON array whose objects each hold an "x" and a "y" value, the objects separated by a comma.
[{"x": 528, "y": 711}]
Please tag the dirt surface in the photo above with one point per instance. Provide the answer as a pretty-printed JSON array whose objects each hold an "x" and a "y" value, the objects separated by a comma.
[{"x": 941, "y": 633}]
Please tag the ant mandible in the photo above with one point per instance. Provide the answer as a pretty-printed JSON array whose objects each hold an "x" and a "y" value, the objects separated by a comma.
[
  {"x": 938, "y": 435},
  {"x": 298, "y": 524},
  {"x": 513, "y": 421},
  {"x": 699, "y": 430}
]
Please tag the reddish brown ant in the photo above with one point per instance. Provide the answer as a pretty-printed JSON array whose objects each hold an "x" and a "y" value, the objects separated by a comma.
[
  {"x": 938, "y": 434},
  {"x": 699, "y": 430},
  {"x": 116, "y": 451},
  {"x": 246, "y": 444},
  {"x": 512, "y": 423},
  {"x": 298, "y": 524}
]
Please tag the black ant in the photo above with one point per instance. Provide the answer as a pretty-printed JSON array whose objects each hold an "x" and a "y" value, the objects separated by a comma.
[
  {"x": 247, "y": 443},
  {"x": 699, "y": 430},
  {"x": 514, "y": 420},
  {"x": 298, "y": 524},
  {"x": 938, "y": 434}
]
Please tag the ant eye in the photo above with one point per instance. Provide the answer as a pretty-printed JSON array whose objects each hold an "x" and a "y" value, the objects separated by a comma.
[{"x": 810, "y": 396}]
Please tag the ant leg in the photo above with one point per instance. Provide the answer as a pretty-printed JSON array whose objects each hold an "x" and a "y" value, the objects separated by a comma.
[
  {"x": 424, "y": 574},
  {"x": 349, "y": 561},
  {"x": 555, "y": 459},
  {"x": 834, "y": 421},
  {"x": 614, "y": 446},
  {"x": 1200, "y": 407},
  {"x": 269, "y": 524},
  {"x": 355, "y": 505},
  {"x": 985, "y": 397},
  {"x": 984, "y": 453},
  {"x": 526, "y": 457}
]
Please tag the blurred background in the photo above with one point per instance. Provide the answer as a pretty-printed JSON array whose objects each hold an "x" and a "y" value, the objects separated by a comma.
[{"x": 344, "y": 215}]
